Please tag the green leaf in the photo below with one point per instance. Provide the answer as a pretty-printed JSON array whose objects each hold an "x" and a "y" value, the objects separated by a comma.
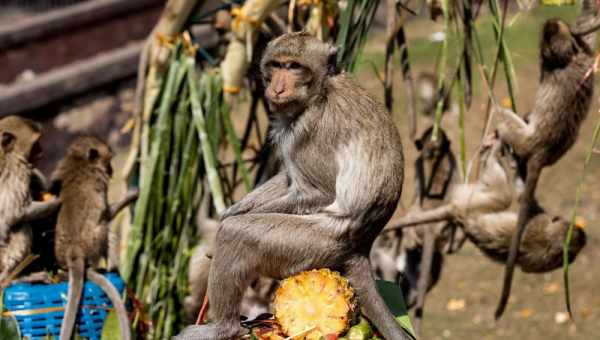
[
  {"x": 111, "y": 330},
  {"x": 9, "y": 329},
  {"x": 392, "y": 295}
]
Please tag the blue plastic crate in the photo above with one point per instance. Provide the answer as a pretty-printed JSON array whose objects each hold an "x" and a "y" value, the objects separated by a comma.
[{"x": 35, "y": 307}]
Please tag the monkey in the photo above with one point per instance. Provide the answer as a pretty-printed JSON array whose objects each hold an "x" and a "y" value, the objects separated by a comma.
[
  {"x": 18, "y": 149},
  {"x": 419, "y": 250},
  {"x": 551, "y": 128},
  {"x": 482, "y": 210},
  {"x": 340, "y": 182},
  {"x": 81, "y": 179}
]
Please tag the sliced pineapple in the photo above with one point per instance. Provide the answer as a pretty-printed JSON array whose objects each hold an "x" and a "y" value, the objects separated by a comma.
[{"x": 313, "y": 304}]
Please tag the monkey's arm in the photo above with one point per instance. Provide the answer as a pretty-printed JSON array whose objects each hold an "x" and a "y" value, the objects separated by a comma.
[
  {"x": 588, "y": 23},
  {"x": 512, "y": 129},
  {"x": 37, "y": 210},
  {"x": 129, "y": 198},
  {"x": 271, "y": 190}
]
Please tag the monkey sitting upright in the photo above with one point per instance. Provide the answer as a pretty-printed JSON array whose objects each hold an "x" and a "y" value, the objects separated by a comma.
[
  {"x": 19, "y": 146},
  {"x": 82, "y": 178},
  {"x": 340, "y": 183},
  {"x": 550, "y": 129}
]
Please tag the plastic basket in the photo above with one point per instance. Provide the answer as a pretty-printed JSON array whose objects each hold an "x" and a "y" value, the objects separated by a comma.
[{"x": 39, "y": 311}]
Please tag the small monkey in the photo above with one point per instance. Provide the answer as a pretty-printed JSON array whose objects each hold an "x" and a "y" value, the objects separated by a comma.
[
  {"x": 340, "y": 182},
  {"x": 562, "y": 102},
  {"x": 481, "y": 209},
  {"x": 82, "y": 179},
  {"x": 19, "y": 147}
]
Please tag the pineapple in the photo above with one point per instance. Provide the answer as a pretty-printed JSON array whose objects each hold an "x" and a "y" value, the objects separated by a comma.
[{"x": 314, "y": 304}]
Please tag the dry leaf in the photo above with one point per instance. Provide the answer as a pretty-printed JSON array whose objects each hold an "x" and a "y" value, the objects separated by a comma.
[
  {"x": 585, "y": 312},
  {"x": 456, "y": 305},
  {"x": 526, "y": 313},
  {"x": 551, "y": 288}
]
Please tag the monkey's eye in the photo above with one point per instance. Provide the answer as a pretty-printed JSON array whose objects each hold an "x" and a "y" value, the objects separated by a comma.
[
  {"x": 273, "y": 64},
  {"x": 555, "y": 219},
  {"x": 294, "y": 66}
]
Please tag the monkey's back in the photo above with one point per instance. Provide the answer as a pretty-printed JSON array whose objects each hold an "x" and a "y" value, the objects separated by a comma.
[
  {"x": 562, "y": 103},
  {"x": 81, "y": 228}
]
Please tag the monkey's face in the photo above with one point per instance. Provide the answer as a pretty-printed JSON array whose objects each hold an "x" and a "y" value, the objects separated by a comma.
[
  {"x": 20, "y": 136},
  {"x": 295, "y": 68},
  {"x": 558, "y": 45},
  {"x": 92, "y": 151}
]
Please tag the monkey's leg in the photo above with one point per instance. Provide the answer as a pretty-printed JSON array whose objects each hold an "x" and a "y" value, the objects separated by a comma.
[
  {"x": 76, "y": 276},
  {"x": 442, "y": 213},
  {"x": 115, "y": 298},
  {"x": 358, "y": 271},
  {"x": 274, "y": 245},
  {"x": 37, "y": 210},
  {"x": 527, "y": 207},
  {"x": 424, "y": 275}
]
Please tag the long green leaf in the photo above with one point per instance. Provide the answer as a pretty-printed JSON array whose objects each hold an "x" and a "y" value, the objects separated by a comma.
[
  {"x": 207, "y": 151},
  {"x": 569, "y": 237}
]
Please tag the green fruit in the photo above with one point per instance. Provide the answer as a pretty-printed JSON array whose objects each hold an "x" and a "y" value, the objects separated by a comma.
[{"x": 362, "y": 331}]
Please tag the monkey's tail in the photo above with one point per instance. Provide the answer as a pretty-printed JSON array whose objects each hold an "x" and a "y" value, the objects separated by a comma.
[
  {"x": 115, "y": 298},
  {"x": 528, "y": 204},
  {"x": 76, "y": 267}
]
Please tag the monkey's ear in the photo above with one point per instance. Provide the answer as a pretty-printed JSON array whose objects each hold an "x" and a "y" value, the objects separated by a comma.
[
  {"x": 8, "y": 141},
  {"x": 93, "y": 154},
  {"x": 332, "y": 67}
]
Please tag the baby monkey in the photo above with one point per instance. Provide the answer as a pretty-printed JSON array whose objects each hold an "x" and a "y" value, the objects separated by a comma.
[
  {"x": 18, "y": 149},
  {"x": 481, "y": 208},
  {"x": 82, "y": 178}
]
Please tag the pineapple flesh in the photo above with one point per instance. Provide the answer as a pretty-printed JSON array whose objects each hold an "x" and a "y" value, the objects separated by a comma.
[{"x": 313, "y": 304}]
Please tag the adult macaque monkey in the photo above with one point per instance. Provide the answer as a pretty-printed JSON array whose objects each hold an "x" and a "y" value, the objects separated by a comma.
[
  {"x": 340, "y": 183},
  {"x": 19, "y": 147},
  {"x": 551, "y": 128},
  {"x": 81, "y": 238}
]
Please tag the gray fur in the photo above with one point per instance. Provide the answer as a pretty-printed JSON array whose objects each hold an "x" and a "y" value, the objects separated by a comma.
[
  {"x": 81, "y": 238},
  {"x": 20, "y": 135},
  {"x": 562, "y": 102},
  {"x": 341, "y": 181}
]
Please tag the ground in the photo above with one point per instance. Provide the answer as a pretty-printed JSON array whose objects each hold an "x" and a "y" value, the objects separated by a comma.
[{"x": 461, "y": 306}]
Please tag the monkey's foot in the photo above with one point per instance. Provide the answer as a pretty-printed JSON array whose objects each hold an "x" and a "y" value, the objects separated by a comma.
[{"x": 209, "y": 332}]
